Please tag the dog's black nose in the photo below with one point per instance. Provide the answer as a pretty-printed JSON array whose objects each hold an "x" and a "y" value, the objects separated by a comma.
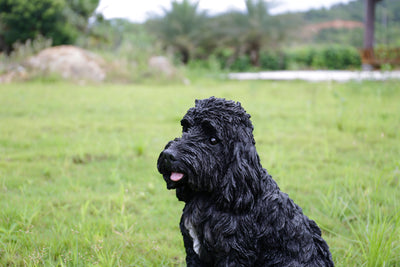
[{"x": 168, "y": 156}]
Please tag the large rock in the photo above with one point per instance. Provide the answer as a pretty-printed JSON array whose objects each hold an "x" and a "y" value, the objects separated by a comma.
[{"x": 70, "y": 62}]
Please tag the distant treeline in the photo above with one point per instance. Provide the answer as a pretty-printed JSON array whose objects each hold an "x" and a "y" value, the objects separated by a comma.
[
  {"x": 387, "y": 22},
  {"x": 234, "y": 40}
]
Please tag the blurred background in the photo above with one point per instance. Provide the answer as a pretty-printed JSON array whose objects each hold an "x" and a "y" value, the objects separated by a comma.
[
  {"x": 91, "y": 91},
  {"x": 133, "y": 40}
]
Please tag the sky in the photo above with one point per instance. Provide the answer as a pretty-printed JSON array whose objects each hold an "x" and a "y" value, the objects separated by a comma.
[{"x": 138, "y": 10}]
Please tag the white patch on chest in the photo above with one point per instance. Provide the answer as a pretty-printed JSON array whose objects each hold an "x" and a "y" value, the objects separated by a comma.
[{"x": 193, "y": 234}]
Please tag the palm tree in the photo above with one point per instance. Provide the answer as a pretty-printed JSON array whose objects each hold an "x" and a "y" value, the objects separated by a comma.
[
  {"x": 259, "y": 28},
  {"x": 180, "y": 27},
  {"x": 247, "y": 33}
]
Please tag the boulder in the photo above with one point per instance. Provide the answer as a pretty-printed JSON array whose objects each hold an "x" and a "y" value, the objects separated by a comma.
[{"x": 70, "y": 62}]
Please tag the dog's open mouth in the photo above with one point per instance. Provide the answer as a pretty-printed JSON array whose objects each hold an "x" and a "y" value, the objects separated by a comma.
[{"x": 175, "y": 179}]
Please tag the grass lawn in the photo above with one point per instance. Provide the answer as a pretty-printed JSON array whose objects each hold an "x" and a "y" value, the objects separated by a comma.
[{"x": 79, "y": 185}]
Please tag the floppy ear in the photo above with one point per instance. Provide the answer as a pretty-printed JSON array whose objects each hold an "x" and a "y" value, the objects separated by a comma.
[{"x": 241, "y": 182}]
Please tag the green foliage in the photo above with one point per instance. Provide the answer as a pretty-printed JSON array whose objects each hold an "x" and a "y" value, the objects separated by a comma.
[
  {"x": 350, "y": 37},
  {"x": 250, "y": 32},
  {"x": 77, "y": 13},
  {"x": 244, "y": 41},
  {"x": 307, "y": 57},
  {"x": 22, "y": 51},
  {"x": 269, "y": 60},
  {"x": 26, "y": 19},
  {"x": 127, "y": 48},
  {"x": 242, "y": 63},
  {"x": 83, "y": 8},
  {"x": 79, "y": 186},
  {"x": 180, "y": 28},
  {"x": 257, "y": 29},
  {"x": 353, "y": 10},
  {"x": 301, "y": 57},
  {"x": 273, "y": 60},
  {"x": 62, "y": 21},
  {"x": 387, "y": 23},
  {"x": 194, "y": 35},
  {"x": 336, "y": 57}
]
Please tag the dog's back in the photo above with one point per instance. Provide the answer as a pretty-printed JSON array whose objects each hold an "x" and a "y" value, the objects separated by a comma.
[
  {"x": 274, "y": 232},
  {"x": 235, "y": 214},
  {"x": 289, "y": 237}
]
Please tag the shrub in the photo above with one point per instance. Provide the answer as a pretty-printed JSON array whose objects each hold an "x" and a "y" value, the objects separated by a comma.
[
  {"x": 336, "y": 57},
  {"x": 300, "y": 58},
  {"x": 22, "y": 20},
  {"x": 273, "y": 60},
  {"x": 242, "y": 63}
]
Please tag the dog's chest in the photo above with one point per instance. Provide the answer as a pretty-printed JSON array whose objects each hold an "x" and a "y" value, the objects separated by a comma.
[
  {"x": 198, "y": 220},
  {"x": 193, "y": 234}
]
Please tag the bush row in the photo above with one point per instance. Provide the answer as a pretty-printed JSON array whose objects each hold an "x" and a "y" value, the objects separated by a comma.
[{"x": 328, "y": 57}]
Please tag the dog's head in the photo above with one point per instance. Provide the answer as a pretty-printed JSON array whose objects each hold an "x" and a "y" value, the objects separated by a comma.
[{"x": 216, "y": 154}]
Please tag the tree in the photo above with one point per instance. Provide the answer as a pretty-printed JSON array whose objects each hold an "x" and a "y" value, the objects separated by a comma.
[
  {"x": 180, "y": 27},
  {"x": 59, "y": 20},
  {"x": 251, "y": 31},
  {"x": 25, "y": 19},
  {"x": 257, "y": 29},
  {"x": 78, "y": 12}
]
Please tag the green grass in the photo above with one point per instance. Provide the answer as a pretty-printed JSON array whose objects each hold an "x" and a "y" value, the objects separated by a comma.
[{"x": 79, "y": 185}]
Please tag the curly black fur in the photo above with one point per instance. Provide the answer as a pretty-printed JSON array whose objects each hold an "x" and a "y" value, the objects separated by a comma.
[{"x": 235, "y": 214}]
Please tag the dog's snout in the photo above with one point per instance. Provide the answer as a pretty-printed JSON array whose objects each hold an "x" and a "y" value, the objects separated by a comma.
[{"x": 168, "y": 156}]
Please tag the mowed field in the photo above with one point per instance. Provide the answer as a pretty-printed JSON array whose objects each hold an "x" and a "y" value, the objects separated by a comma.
[{"x": 79, "y": 184}]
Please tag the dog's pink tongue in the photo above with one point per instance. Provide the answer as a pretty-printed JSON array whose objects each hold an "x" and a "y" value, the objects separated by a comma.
[{"x": 176, "y": 176}]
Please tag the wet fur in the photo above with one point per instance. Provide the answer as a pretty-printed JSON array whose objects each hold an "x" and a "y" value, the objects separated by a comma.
[{"x": 235, "y": 214}]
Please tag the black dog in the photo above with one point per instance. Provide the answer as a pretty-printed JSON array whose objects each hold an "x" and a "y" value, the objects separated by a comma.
[{"x": 235, "y": 214}]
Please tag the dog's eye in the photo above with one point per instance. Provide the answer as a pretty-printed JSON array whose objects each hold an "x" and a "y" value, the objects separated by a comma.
[{"x": 213, "y": 140}]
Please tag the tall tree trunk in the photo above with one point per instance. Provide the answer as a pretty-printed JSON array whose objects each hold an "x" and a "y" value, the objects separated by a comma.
[
  {"x": 255, "y": 57},
  {"x": 185, "y": 55},
  {"x": 369, "y": 24},
  {"x": 254, "y": 52},
  {"x": 369, "y": 21}
]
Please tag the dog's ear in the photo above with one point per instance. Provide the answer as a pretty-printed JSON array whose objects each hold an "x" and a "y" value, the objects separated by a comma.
[{"x": 241, "y": 182}]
